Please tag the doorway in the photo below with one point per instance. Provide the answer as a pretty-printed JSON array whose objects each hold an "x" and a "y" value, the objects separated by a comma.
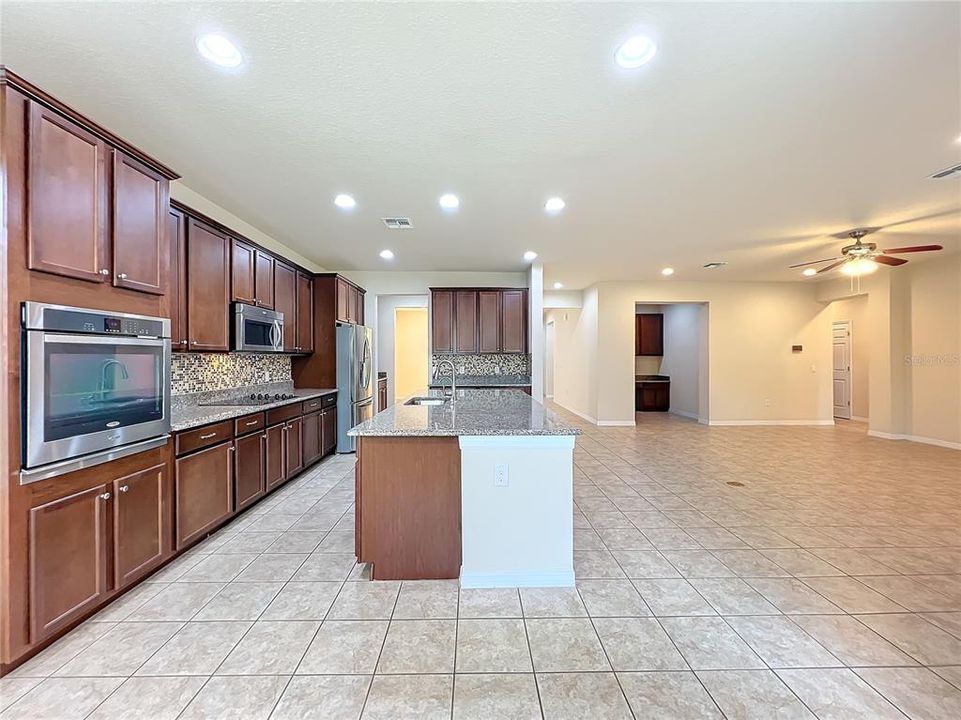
[
  {"x": 549, "y": 340},
  {"x": 411, "y": 351},
  {"x": 841, "y": 368}
]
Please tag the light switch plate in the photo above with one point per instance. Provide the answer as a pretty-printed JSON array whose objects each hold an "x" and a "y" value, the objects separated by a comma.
[{"x": 501, "y": 478}]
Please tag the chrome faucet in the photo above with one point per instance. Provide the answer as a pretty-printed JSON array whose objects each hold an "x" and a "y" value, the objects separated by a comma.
[
  {"x": 104, "y": 366},
  {"x": 453, "y": 376}
]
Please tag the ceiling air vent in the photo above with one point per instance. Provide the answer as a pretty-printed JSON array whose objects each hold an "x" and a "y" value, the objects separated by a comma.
[
  {"x": 947, "y": 172},
  {"x": 714, "y": 265},
  {"x": 398, "y": 223}
]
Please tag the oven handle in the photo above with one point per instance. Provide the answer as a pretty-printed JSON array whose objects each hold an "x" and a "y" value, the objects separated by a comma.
[{"x": 104, "y": 340}]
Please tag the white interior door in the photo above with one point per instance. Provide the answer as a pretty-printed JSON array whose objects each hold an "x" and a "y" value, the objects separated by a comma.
[{"x": 841, "y": 338}]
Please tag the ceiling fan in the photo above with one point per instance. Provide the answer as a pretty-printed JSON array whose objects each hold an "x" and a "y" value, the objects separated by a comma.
[{"x": 862, "y": 258}]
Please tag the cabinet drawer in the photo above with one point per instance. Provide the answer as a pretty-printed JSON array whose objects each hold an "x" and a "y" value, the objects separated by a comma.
[
  {"x": 328, "y": 400},
  {"x": 313, "y": 404},
  {"x": 191, "y": 440},
  {"x": 249, "y": 424},
  {"x": 286, "y": 412}
]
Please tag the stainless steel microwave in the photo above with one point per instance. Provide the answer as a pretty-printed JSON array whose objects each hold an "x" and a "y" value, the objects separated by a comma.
[{"x": 257, "y": 329}]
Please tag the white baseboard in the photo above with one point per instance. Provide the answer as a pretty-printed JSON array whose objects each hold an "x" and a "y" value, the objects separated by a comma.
[
  {"x": 579, "y": 414},
  {"x": 858, "y": 418},
  {"x": 517, "y": 579},
  {"x": 616, "y": 423},
  {"x": 915, "y": 438},
  {"x": 772, "y": 422},
  {"x": 686, "y": 414}
]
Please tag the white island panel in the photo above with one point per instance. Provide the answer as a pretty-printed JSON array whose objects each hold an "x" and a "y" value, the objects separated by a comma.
[{"x": 521, "y": 534}]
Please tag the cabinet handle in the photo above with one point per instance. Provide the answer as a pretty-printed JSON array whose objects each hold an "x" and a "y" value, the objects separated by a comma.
[
  {"x": 104, "y": 271},
  {"x": 207, "y": 437},
  {"x": 105, "y": 496},
  {"x": 263, "y": 437},
  {"x": 124, "y": 488},
  {"x": 252, "y": 422},
  {"x": 232, "y": 448},
  {"x": 121, "y": 276}
]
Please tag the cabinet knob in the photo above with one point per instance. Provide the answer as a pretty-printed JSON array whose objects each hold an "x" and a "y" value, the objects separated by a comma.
[
  {"x": 263, "y": 437},
  {"x": 121, "y": 276},
  {"x": 124, "y": 488},
  {"x": 232, "y": 448},
  {"x": 105, "y": 496},
  {"x": 184, "y": 341},
  {"x": 104, "y": 271}
]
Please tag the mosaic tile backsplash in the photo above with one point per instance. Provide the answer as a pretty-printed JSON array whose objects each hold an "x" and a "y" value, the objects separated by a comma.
[
  {"x": 203, "y": 372},
  {"x": 485, "y": 364}
]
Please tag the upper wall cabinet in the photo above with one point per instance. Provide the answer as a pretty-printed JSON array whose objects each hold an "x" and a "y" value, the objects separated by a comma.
[
  {"x": 67, "y": 198},
  {"x": 305, "y": 314},
  {"x": 479, "y": 320},
  {"x": 208, "y": 287},
  {"x": 94, "y": 212},
  {"x": 649, "y": 334},
  {"x": 285, "y": 301},
  {"x": 177, "y": 238},
  {"x": 251, "y": 275},
  {"x": 349, "y": 302}
]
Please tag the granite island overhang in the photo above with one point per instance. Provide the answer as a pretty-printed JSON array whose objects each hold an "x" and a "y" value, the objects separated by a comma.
[{"x": 479, "y": 487}]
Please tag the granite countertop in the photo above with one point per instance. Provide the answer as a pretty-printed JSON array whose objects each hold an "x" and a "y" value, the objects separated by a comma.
[
  {"x": 474, "y": 412},
  {"x": 483, "y": 381},
  {"x": 652, "y": 378},
  {"x": 187, "y": 412}
]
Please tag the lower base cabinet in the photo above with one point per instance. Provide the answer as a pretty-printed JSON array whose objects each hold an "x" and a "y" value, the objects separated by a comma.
[
  {"x": 311, "y": 435},
  {"x": 328, "y": 430},
  {"x": 204, "y": 489},
  {"x": 274, "y": 460},
  {"x": 139, "y": 524},
  {"x": 249, "y": 469},
  {"x": 652, "y": 397},
  {"x": 294, "y": 448}
]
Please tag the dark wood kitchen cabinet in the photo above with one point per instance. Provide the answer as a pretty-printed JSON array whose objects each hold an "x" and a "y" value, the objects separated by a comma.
[
  {"x": 489, "y": 321},
  {"x": 204, "y": 491},
  {"x": 514, "y": 321},
  {"x": 381, "y": 393},
  {"x": 348, "y": 302},
  {"x": 67, "y": 197},
  {"x": 311, "y": 435},
  {"x": 304, "y": 342},
  {"x": 652, "y": 396},
  {"x": 649, "y": 334},
  {"x": 293, "y": 448},
  {"x": 328, "y": 425},
  {"x": 68, "y": 559},
  {"x": 140, "y": 203},
  {"x": 251, "y": 275},
  {"x": 139, "y": 523},
  {"x": 249, "y": 469},
  {"x": 264, "y": 279},
  {"x": 274, "y": 462},
  {"x": 177, "y": 239},
  {"x": 285, "y": 301},
  {"x": 442, "y": 321},
  {"x": 208, "y": 287},
  {"x": 465, "y": 321}
]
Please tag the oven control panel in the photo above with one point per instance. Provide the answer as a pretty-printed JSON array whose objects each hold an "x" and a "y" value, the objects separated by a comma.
[{"x": 77, "y": 320}]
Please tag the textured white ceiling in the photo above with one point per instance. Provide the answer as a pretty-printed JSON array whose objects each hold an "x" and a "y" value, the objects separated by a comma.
[{"x": 757, "y": 130}]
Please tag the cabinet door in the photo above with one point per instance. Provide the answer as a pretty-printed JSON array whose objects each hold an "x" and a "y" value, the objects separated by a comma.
[
  {"x": 274, "y": 461},
  {"x": 249, "y": 478},
  {"x": 329, "y": 430},
  {"x": 488, "y": 321},
  {"x": 140, "y": 202},
  {"x": 442, "y": 321},
  {"x": 343, "y": 309},
  {"x": 305, "y": 313},
  {"x": 208, "y": 287},
  {"x": 381, "y": 394},
  {"x": 264, "y": 279},
  {"x": 650, "y": 334},
  {"x": 514, "y": 321},
  {"x": 204, "y": 489},
  {"x": 68, "y": 559},
  {"x": 67, "y": 198},
  {"x": 139, "y": 530},
  {"x": 285, "y": 301},
  {"x": 242, "y": 271},
  {"x": 177, "y": 293},
  {"x": 359, "y": 311},
  {"x": 294, "y": 448},
  {"x": 311, "y": 429},
  {"x": 465, "y": 321}
]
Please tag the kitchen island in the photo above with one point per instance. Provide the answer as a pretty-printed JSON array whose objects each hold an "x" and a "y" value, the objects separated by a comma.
[{"x": 478, "y": 487}]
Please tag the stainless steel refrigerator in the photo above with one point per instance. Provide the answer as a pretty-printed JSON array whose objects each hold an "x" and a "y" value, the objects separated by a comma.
[{"x": 355, "y": 382}]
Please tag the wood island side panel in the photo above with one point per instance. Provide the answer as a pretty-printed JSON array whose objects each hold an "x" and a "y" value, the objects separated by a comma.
[{"x": 408, "y": 507}]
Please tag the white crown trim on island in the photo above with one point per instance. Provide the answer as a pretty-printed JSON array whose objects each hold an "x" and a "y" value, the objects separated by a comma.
[
  {"x": 471, "y": 580},
  {"x": 915, "y": 438}
]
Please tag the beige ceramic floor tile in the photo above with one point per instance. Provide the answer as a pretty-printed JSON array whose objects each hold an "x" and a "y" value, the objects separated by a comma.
[
  {"x": 485, "y": 697},
  {"x": 418, "y": 646},
  {"x": 236, "y": 698},
  {"x": 345, "y": 646},
  {"x": 323, "y": 697},
  {"x": 838, "y": 695},
  {"x": 753, "y": 695},
  {"x": 410, "y": 697},
  {"x": 668, "y": 696},
  {"x": 492, "y": 646},
  {"x": 565, "y": 645},
  {"x": 574, "y": 696}
]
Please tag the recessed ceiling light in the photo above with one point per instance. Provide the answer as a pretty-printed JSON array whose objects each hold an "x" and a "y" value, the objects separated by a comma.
[
  {"x": 635, "y": 51},
  {"x": 554, "y": 205},
  {"x": 345, "y": 202},
  {"x": 808, "y": 272},
  {"x": 530, "y": 255},
  {"x": 219, "y": 50},
  {"x": 667, "y": 271},
  {"x": 387, "y": 254},
  {"x": 449, "y": 201},
  {"x": 558, "y": 285}
]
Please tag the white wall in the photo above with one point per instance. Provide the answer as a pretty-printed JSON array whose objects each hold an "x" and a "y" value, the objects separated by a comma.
[
  {"x": 535, "y": 324},
  {"x": 682, "y": 357},
  {"x": 575, "y": 356},
  {"x": 384, "y": 334},
  {"x": 182, "y": 193}
]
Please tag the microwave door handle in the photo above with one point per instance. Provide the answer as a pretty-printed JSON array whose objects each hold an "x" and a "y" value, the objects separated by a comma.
[{"x": 273, "y": 335}]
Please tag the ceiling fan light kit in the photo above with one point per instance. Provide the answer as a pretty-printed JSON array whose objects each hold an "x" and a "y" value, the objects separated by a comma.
[{"x": 863, "y": 258}]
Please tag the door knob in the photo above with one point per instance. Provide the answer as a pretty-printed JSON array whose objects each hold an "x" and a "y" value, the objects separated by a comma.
[
  {"x": 105, "y": 496},
  {"x": 124, "y": 488}
]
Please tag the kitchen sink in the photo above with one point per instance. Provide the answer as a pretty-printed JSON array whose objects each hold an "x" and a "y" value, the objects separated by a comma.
[{"x": 427, "y": 401}]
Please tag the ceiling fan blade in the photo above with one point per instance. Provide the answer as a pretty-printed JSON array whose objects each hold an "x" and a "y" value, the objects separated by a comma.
[
  {"x": 913, "y": 248},
  {"x": 832, "y": 266},
  {"x": 885, "y": 260},
  {"x": 813, "y": 262}
]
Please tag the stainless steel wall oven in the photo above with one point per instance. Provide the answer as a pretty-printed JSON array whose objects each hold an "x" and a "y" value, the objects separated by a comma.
[{"x": 95, "y": 386}]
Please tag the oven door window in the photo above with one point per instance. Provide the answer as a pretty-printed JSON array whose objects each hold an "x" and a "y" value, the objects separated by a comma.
[
  {"x": 257, "y": 333},
  {"x": 94, "y": 387}
]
